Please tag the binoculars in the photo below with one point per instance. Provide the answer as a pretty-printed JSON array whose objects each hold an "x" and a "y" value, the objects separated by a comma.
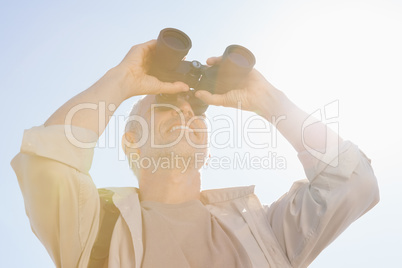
[{"x": 167, "y": 65}]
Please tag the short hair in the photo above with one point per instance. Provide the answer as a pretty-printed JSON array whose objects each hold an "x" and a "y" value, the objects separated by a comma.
[{"x": 134, "y": 127}]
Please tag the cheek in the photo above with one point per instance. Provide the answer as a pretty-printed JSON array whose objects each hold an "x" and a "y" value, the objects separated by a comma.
[
  {"x": 202, "y": 136},
  {"x": 155, "y": 126}
]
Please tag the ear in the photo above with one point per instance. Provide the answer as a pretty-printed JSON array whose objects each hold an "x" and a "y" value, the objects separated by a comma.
[{"x": 128, "y": 143}]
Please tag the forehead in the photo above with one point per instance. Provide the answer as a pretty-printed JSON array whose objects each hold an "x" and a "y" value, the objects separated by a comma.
[{"x": 145, "y": 103}]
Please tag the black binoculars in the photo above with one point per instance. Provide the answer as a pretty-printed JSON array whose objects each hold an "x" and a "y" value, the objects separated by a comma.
[{"x": 167, "y": 65}]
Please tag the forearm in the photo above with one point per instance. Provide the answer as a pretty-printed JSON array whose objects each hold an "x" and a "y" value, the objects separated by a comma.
[
  {"x": 57, "y": 189},
  {"x": 92, "y": 108},
  {"x": 290, "y": 120},
  {"x": 264, "y": 99}
]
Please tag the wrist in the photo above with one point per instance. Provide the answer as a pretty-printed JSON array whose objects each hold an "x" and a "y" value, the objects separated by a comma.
[
  {"x": 122, "y": 81},
  {"x": 272, "y": 103}
]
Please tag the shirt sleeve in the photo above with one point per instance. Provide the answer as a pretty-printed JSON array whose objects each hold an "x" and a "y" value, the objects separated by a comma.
[
  {"x": 61, "y": 200},
  {"x": 340, "y": 187}
]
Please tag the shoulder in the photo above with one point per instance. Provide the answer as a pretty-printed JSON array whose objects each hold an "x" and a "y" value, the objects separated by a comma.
[{"x": 226, "y": 194}]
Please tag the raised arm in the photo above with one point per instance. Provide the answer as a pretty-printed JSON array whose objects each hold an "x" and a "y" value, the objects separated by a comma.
[
  {"x": 263, "y": 98},
  {"x": 127, "y": 79},
  {"x": 60, "y": 197},
  {"x": 340, "y": 185}
]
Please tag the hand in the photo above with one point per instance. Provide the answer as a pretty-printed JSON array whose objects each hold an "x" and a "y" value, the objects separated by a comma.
[
  {"x": 257, "y": 95},
  {"x": 137, "y": 81}
]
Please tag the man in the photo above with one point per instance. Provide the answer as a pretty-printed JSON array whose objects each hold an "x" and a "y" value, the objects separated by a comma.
[{"x": 168, "y": 222}]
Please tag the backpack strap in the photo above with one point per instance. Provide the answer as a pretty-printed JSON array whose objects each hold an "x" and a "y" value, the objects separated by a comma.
[{"x": 109, "y": 214}]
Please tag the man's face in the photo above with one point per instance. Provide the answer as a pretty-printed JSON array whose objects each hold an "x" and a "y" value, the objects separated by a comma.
[{"x": 173, "y": 128}]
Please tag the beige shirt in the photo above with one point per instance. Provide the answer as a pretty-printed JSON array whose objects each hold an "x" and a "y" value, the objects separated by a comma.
[
  {"x": 187, "y": 235},
  {"x": 62, "y": 204}
]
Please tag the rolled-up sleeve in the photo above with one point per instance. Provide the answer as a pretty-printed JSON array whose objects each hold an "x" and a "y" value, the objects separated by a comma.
[
  {"x": 340, "y": 187},
  {"x": 60, "y": 198}
]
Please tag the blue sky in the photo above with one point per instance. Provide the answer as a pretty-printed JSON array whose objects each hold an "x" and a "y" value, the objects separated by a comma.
[{"x": 317, "y": 52}]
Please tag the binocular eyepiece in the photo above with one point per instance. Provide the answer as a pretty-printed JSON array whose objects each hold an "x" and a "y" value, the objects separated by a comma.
[{"x": 167, "y": 65}]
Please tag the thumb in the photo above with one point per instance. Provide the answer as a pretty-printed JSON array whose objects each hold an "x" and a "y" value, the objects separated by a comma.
[
  {"x": 214, "y": 60},
  {"x": 158, "y": 87},
  {"x": 210, "y": 99}
]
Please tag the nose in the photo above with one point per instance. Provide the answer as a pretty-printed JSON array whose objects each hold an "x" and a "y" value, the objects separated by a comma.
[{"x": 184, "y": 105}]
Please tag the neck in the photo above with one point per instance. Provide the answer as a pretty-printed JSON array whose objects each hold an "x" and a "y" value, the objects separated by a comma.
[{"x": 170, "y": 186}]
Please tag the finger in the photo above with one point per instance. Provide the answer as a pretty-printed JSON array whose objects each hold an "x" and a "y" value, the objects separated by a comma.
[
  {"x": 138, "y": 52},
  {"x": 145, "y": 50},
  {"x": 214, "y": 60},
  {"x": 158, "y": 87},
  {"x": 210, "y": 99},
  {"x": 149, "y": 45}
]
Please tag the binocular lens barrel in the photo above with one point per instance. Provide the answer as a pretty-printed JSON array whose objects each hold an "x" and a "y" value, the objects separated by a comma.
[
  {"x": 236, "y": 63},
  {"x": 167, "y": 64},
  {"x": 171, "y": 47},
  {"x": 238, "y": 59}
]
